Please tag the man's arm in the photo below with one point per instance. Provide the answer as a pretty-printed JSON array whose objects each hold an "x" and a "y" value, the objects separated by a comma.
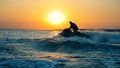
[{"x": 70, "y": 27}]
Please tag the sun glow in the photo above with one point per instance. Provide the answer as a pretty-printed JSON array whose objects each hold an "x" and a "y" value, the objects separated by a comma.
[{"x": 56, "y": 17}]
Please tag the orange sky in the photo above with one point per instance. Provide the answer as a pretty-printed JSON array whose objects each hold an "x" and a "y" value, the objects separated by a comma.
[{"x": 32, "y": 14}]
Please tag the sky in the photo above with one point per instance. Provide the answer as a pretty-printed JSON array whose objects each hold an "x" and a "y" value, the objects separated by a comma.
[{"x": 32, "y": 14}]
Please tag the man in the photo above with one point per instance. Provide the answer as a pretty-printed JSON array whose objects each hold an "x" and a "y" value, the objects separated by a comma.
[{"x": 73, "y": 26}]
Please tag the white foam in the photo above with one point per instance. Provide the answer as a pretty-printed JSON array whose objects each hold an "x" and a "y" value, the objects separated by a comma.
[{"x": 78, "y": 39}]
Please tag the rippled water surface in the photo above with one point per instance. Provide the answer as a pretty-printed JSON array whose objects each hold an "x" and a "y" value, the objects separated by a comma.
[{"x": 47, "y": 49}]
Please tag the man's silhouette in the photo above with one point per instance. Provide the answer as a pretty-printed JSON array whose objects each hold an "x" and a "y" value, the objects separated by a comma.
[{"x": 73, "y": 26}]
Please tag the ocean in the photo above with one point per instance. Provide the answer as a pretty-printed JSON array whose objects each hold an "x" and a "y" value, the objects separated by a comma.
[{"x": 47, "y": 49}]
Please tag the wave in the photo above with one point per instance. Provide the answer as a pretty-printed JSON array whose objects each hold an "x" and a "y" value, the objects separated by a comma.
[
  {"x": 26, "y": 63},
  {"x": 101, "y": 50},
  {"x": 98, "y": 41},
  {"x": 75, "y": 47},
  {"x": 17, "y": 47}
]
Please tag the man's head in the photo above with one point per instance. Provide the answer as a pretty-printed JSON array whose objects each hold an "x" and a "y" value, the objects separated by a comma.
[{"x": 70, "y": 22}]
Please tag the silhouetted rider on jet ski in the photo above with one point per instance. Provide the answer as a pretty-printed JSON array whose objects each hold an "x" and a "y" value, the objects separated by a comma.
[
  {"x": 73, "y": 26},
  {"x": 73, "y": 31}
]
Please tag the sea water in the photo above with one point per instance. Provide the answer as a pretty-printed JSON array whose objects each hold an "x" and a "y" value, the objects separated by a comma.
[{"x": 47, "y": 49}]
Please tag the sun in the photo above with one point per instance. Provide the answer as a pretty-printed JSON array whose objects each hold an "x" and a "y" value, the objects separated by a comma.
[{"x": 56, "y": 17}]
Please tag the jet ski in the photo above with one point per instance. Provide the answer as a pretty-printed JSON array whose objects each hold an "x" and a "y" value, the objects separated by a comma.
[{"x": 68, "y": 33}]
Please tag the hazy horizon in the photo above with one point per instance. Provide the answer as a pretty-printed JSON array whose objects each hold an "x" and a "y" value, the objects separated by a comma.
[{"x": 59, "y": 29}]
